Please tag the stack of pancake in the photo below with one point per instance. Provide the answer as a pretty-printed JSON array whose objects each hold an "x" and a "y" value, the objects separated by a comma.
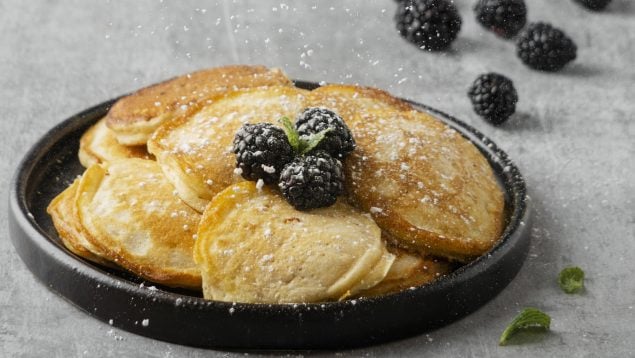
[{"x": 160, "y": 197}]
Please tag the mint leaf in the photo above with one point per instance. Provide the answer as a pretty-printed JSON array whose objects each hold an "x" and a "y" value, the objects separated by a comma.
[
  {"x": 571, "y": 279},
  {"x": 292, "y": 134},
  {"x": 304, "y": 144},
  {"x": 529, "y": 318},
  {"x": 308, "y": 143}
]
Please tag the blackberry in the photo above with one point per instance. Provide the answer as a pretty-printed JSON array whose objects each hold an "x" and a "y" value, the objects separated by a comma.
[
  {"x": 312, "y": 181},
  {"x": 503, "y": 17},
  {"x": 338, "y": 141},
  {"x": 595, "y": 5},
  {"x": 545, "y": 48},
  {"x": 262, "y": 150},
  {"x": 493, "y": 97},
  {"x": 432, "y": 25}
]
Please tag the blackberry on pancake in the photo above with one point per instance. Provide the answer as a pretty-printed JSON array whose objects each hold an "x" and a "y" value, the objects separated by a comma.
[
  {"x": 262, "y": 150},
  {"x": 312, "y": 181},
  {"x": 338, "y": 141}
]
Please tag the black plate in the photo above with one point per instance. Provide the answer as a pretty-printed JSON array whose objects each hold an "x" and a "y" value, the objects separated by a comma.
[{"x": 185, "y": 318}]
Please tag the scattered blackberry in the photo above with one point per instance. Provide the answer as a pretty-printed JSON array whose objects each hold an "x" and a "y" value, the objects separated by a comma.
[
  {"x": 312, "y": 181},
  {"x": 544, "y": 47},
  {"x": 338, "y": 141},
  {"x": 262, "y": 150},
  {"x": 503, "y": 17},
  {"x": 595, "y": 5},
  {"x": 493, "y": 97},
  {"x": 432, "y": 25}
]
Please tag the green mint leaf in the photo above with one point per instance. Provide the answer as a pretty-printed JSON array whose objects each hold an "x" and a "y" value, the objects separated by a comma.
[
  {"x": 308, "y": 143},
  {"x": 292, "y": 134},
  {"x": 529, "y": 318},
  {"x": 571, "y": 279}
]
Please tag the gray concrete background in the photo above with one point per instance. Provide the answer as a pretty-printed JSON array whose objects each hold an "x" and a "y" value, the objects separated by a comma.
[{"x": 572, "y": 138}]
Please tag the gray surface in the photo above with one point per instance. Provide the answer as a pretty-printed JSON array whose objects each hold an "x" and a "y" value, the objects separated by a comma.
[{"x": 572, "y": 138}]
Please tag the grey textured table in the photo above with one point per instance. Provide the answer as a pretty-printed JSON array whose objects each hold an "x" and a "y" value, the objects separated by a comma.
[{"x": 572, "y": 138}]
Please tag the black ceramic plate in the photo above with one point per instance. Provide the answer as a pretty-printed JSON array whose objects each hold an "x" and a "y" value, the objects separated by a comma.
[{"x": 185, "y": 318}]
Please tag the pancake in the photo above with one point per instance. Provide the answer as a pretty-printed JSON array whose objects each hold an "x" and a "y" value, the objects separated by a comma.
[
  {"x": 376, "y": 275},
  {"x": 414, "y": 178},
  {"x": 134, "y": 117},
  {"x": 195, "y": 150},
  {"x": 99, "y": 145},
  {"x": 424, "y": 184},
  {"x": 349, "y": 100},
  {"x": 63, "y": 211},
  {"x": 129, "y": 211},
  {"x": 408, "y": 270},
  {"x": 254, "y": 247}
]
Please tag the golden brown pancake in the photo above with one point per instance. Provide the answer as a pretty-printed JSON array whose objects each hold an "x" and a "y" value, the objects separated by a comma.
[
  {"x": 99, "y": 145},
  {"x": 129, "y": 211},
  {"x": 376, "y": 275},
  {"x": 134, "y": 117},
  {"x": 349, "y": 100},
  {"x": 424, "y": 184},
  {"x": 63, "y": 211},
  {"x": 408, "y": 270},
  {"x": 195, "y": 150},
  {"x": 253, "y": 246}
]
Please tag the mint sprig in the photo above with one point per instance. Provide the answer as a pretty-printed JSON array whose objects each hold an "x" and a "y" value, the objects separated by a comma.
[
  {"x": 292, "y": 135},
  {"x": 301, "y": 144},
  {"x": 571, "y": 279},
  {"x": 529, "y": 318}
]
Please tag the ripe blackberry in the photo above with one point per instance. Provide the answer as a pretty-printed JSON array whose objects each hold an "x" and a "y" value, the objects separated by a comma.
[
  {"x": 595, "y": 5},
  {"x": 432, "y": 25},
  {"x": 262, "y": 150},
  {"x": 544, "y": 47},
  {"x": 312, "y": 181},
  {"x": 503, "y": 17},
  {"x": 493, "y": 97},
  {"x": 338, "y": 141}
]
